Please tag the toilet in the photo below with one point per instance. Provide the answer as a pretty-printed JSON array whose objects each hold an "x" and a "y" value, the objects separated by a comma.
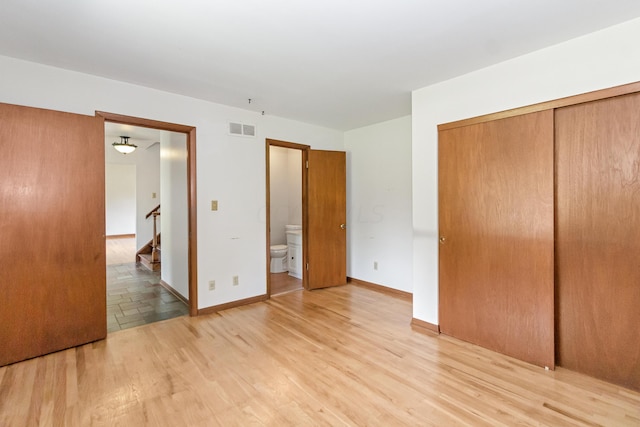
[{"x": 278, "y": 258}]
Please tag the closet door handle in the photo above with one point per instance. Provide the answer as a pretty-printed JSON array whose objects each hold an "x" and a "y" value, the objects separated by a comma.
[
  {"x": 442, "y": 239},
  {"x": 343, "y": 226}
]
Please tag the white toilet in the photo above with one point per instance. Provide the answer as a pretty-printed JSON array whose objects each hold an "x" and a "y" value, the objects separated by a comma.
[
  {"x": 278, "y": 258},
  {"x": 280, "y": 253}
]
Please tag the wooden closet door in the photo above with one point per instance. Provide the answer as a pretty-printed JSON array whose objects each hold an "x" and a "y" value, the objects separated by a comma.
[
  {"x": 496, "y": 231},
  {"x": 52, "y": 247},
  {"x": 598, "y": 239}
]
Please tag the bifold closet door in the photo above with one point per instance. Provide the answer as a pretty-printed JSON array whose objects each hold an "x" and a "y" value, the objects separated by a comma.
[
  {"x": 598, "y": 239},
  {"x": 496, "y": 233}
]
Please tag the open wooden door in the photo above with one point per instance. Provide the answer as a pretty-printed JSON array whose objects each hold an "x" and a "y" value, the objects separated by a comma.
[
  {"x": 52, "y": 247},
  {"x": 326, "y": 235},
  {"x": 496, "y": 235}
]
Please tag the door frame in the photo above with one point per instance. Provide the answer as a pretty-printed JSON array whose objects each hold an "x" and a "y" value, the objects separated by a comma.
[
  {"x": 305, "y": 155},
  {"x": 190, "y": 132}
]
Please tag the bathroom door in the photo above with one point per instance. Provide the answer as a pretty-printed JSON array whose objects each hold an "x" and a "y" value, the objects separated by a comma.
[{"x": 326, "y": 235}]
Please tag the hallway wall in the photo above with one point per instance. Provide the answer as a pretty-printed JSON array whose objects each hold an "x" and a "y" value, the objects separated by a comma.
[
  {"x": 174, "y": 218},
  {"x": 120, "y": 189}
]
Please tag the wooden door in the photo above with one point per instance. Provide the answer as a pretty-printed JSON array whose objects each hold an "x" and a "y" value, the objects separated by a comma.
[
  {"x": 326, "y": 237},
  {"x": 496, "y": 231},
  {"x": 598, "y": 239},
  {"x": 52, "y": 247}
]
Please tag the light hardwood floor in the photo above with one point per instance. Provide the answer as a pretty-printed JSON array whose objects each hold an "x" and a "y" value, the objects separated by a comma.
[
  {"x": 340, "y": 356},
  {"x": 121, "y": 250}
]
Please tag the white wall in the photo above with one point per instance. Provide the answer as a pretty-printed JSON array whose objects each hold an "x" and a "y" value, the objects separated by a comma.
[
  {"x": 294, "y": 182},
  {"x": 600, "y": 60},
  {"x": 174, "y": 211},
  {"x": 278, "y": 189},
  {"x": 146, "y": 162},
  {"x": 147, "y": 183},
  {"x": 120, "y": 199},
  {"x": 232, "y": 240},
  {"x": 285, "y": 185},
  {"x": 379, "y": 203}
]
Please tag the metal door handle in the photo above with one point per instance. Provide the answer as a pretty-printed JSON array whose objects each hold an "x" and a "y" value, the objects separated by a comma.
[
  {"x": 442, "y": 239},
  {"x": 343, "y": 226}
]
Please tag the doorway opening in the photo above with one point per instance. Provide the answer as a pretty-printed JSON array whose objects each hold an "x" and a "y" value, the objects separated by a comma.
[
  {"x": 286, "y": 216},
  {"x": 165, "y": 178}
]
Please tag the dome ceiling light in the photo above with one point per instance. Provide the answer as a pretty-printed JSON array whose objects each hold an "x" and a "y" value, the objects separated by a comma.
[{"x": 124, "y": 146}]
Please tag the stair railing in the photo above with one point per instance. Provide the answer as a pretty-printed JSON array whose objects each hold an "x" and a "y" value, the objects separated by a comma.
[{"x": 155, "y": 212}]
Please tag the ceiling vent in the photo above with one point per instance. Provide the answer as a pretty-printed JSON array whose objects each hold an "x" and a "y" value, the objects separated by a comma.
[{"x": 240, "y": 129}]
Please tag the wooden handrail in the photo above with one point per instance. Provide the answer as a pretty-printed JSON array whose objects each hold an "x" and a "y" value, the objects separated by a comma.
[{"x": 156, "y": 209}]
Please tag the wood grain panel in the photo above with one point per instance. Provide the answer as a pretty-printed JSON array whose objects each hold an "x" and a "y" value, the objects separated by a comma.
[
  {"x": 496, "y": 216},
  {"x": 326, "y": 211},
  {"x": 52, "y": 245},
  {"x": 598, "y": 239}
]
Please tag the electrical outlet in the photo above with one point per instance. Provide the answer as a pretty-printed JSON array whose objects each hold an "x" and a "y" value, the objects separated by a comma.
[
  {"x": 375, "y": 265},
  {"x": 212, "y": 285},
  {"x": 236, "y": 281}
]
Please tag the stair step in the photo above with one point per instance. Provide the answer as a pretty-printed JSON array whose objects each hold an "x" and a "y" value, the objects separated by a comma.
[{"x": 145, "y": 260}]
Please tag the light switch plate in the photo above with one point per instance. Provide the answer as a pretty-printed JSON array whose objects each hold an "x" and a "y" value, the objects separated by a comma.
[{"x": 214, "y": 205}]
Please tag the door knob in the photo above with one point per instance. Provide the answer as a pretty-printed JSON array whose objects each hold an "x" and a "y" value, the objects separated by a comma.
[
  {"x": 343, "y": 226},
  {"x": 442, "y": 239}
]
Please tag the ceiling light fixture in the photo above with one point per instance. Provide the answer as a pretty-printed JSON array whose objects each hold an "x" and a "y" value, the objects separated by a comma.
[{"x": 124, "y": 146}]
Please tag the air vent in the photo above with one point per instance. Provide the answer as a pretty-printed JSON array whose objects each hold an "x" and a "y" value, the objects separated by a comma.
[
  {"x": 235, "y": 128},
  {"x": 248, "y": 130},
  {"x": 240, "y": 129}
]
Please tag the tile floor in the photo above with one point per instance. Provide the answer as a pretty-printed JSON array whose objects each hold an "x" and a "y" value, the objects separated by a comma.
[{"x": 135, "y": 297}]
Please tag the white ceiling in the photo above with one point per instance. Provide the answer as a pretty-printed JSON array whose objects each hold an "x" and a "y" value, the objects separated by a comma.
[{"x": 336, "y": 63}]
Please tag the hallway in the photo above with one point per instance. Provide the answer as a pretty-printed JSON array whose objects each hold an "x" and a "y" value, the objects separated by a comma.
[{"x": 134, "y": 294}]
